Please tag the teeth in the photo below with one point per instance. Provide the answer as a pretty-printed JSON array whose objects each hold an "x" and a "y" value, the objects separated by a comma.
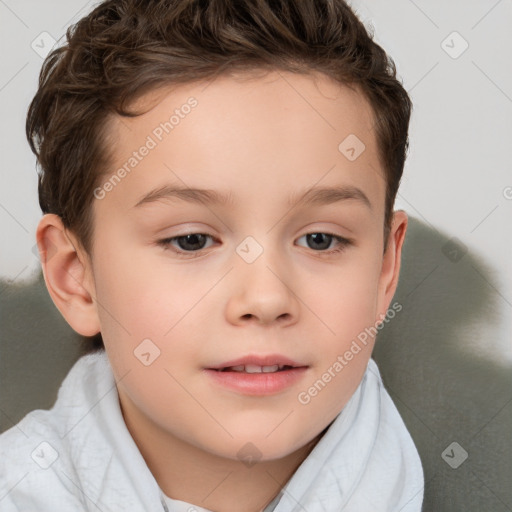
[{"x": 252, "y": 368}]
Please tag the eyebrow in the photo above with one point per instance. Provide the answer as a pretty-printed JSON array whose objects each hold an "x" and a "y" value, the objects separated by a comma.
[{"x": 315, "y": 196}]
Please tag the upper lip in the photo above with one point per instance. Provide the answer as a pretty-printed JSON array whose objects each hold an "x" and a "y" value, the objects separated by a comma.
[{"x": 258, "y": 360}]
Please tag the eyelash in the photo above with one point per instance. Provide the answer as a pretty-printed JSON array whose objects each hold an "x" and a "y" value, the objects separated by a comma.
[{"x": 343, "y": 243}]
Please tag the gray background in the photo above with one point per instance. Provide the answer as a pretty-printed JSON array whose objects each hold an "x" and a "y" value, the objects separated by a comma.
[{"x": 446, "y": 358}]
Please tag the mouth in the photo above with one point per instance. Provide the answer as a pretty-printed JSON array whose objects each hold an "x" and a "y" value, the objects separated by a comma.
[
  {"x": 253, "y": 368},
  {"x": 258, "y": 364},
  {"x": 257, "y": 375}
]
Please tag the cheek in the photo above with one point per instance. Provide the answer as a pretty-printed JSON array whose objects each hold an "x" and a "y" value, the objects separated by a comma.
[
  {"x": 347, "y": 311},
  {"x": 142, "y": 297},
  {"x": 148, "y": 308},
  {"x": 346, "y": 299}
]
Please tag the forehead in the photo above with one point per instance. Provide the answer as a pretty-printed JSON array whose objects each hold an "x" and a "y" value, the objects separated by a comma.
[{"x": 250, "y": 136}]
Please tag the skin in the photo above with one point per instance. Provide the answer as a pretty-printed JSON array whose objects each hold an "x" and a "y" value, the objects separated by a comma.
[{"x": 261, "y": 139}]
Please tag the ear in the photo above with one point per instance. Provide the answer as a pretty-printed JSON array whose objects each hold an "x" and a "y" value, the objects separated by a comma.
[
  {"x": 68, "y": 275},
  {"x": 390, "y": 272}
]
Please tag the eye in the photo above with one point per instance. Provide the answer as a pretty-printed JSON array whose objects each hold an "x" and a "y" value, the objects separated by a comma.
[
  {"x": 321, "y": 241},
  {"x": 184, "y": 244}
]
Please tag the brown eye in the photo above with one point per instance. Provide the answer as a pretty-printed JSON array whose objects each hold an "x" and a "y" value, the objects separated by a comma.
[
  {"x": 183, "y": 244},
  {"x": 192, "y": 242}
]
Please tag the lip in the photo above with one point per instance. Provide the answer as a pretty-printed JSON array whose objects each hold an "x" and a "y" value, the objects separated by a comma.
[
  {"x": 258, "y": 360},
  {"x": 257, "y": 384}
]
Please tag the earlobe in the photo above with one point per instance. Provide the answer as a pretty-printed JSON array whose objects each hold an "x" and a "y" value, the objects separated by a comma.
[
  {"x": 390, "y": 272},
  {"x": 67, "y": 275}
]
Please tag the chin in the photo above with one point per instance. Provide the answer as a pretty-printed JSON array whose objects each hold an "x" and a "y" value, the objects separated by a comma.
[{"x": 268, "y": 445}]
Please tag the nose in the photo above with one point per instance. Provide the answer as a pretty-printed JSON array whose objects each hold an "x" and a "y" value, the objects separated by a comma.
[{"x": 262, "y": 293}]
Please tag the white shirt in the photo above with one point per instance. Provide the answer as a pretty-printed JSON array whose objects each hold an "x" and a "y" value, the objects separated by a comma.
[
  {"x": 183, "y": 506},
  {"x": 80, "y": 456}
]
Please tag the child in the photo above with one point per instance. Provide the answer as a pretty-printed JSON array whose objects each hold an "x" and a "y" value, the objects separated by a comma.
[{"x": 192, "y": 155}]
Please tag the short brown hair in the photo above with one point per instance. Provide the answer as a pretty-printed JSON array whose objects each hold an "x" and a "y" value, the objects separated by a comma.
[{"x": 125, "y": 48}]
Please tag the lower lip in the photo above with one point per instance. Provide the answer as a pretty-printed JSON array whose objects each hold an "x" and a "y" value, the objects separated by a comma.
[{"x": 257, "y": 384}]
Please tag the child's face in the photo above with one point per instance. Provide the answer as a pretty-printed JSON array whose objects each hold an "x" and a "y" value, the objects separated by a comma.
[{"x": 256, "y": 285}]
